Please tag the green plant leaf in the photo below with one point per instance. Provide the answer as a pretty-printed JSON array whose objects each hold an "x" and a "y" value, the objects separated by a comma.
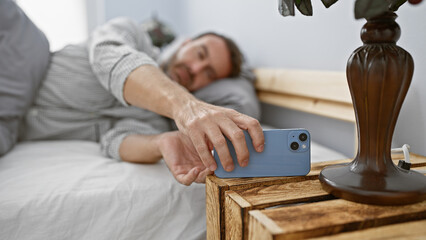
[
  {"x": 304, "y": 6},
  {"x": 328, "y": 3},
  {"x": 395, "y": 4},
  {"x": 286, "y": 7},
  {"x": 370, "y": 8}
]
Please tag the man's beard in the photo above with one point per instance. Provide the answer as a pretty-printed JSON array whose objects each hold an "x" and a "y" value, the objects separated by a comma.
[
  {"x": 167, "y": 67},
  {"x": 170, "y": 67}
]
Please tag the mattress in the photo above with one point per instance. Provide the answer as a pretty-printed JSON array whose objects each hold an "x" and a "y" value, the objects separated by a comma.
[{"x": 68, "y": 190}]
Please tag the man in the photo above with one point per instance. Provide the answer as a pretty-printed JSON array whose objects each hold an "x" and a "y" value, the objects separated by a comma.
[{"x": 111, "y": 90}]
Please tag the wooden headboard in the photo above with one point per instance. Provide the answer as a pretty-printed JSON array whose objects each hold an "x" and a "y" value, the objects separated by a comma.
[{"x": 322, "y": 93}]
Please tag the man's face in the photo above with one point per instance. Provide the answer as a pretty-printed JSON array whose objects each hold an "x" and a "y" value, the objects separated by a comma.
[{"x": 199, "y": 62}]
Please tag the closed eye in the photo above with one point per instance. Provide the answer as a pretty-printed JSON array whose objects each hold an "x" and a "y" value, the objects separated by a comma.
[{"x": 201, "y": 54}]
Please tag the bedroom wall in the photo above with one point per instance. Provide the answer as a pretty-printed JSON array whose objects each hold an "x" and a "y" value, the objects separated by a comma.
[
  {"x": 140, "y": 10},
  {"x": 321, "y": 42}
]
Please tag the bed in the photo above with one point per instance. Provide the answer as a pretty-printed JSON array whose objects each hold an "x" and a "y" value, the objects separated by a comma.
[{"x": 68, "y": 190}]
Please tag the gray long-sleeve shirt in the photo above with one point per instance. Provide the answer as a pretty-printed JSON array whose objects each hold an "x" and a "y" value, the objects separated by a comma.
[{"x": 81, "y": 96}]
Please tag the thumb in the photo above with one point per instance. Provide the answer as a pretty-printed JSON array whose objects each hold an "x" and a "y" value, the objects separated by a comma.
[{"x": 189, "y": 177}]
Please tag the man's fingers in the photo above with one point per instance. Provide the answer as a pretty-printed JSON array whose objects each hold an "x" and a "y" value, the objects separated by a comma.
[
  {"x": 257, "y": 138},
  {"x": 203, "y": 151},
  {"x": 202, "y": 176},
  {"x": 209, "y": 144},
  {"x": 237, "y": 137},
  {"x": 219, "y": 142},
  {"x": 188, "y": 178},
  {"x": 254, "y": 129}
]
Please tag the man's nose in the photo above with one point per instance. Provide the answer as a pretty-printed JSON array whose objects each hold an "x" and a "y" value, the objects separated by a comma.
[{"x": 198, "y": 66}]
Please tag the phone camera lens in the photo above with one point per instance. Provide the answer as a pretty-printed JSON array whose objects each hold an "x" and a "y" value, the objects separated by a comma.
[
  {"x": 294, "y": 146},
  {"x": 303, "y": 137}
]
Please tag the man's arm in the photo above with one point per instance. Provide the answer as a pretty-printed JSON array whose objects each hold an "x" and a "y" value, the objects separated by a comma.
[
  {"x": 148, "y": 87},
  {"x": 116, "y": 49},
  {"x": 148, "y": 141},
  {"x": 140, "y": 148},
  {"x": 176, "y": 149}
]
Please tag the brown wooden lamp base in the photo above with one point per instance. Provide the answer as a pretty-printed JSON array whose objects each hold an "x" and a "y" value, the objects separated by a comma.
[
  {"x": 379, "y": 74},
  {"x": 397, "y": 187}
]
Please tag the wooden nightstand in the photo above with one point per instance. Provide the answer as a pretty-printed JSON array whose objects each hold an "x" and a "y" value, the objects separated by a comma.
[{"x": 297, "y": 207}]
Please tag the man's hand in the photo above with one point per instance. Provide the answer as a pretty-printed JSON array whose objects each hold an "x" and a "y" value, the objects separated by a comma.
[
  {"x": 207, "y": 125},
  {"x": 182, "y": 159}
]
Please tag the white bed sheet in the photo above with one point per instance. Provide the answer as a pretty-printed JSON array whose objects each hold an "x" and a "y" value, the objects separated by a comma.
[{"x": 68, "y": 190}]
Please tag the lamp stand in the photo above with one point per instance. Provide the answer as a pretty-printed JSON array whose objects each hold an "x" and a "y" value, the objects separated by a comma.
[{"x": 379, "y": 75}]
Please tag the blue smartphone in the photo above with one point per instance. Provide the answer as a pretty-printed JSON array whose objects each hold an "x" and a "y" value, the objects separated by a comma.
[{"x": 286, "y": 153}]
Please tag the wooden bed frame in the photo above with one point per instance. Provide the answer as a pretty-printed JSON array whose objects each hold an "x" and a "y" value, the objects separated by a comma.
[
  {"x": 319, "y": 101},
  {"x": 323, "y": 93}
]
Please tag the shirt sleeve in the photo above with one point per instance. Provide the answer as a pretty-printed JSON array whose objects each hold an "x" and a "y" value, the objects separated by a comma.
[
  {"x": 115, "y": 50},
  {"x": 112, "y": 139}
]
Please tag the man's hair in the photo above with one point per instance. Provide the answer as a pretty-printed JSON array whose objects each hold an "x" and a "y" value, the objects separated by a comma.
[{"x": 237, "y": 57}]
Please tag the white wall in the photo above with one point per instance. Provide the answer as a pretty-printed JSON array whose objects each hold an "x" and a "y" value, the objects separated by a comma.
[
  {"x": 411, "y": 125},
  {"x": 167, "y": 10},
  {"x": 321, "y": 42}
]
